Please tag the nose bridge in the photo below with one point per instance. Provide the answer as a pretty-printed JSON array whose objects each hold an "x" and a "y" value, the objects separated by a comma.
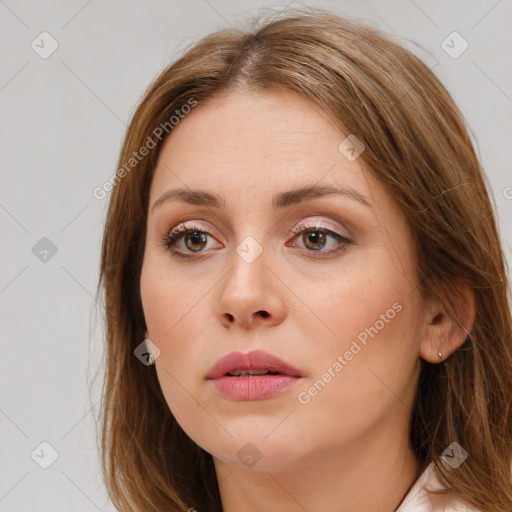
[
  {"x": 249, "y": 271},
  {"x": 247, "y": 292}
]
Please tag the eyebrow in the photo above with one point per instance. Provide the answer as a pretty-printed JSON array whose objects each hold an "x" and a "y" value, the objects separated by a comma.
[{"x": 281, "y": 200}]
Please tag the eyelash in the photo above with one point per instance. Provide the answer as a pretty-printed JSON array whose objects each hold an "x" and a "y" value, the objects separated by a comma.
[{"x": 177, "y": 233}]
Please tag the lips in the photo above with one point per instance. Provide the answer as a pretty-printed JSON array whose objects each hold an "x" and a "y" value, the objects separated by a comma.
[
  {"x": 257, "y": 362},
  {"x": 255, "y": 375}
]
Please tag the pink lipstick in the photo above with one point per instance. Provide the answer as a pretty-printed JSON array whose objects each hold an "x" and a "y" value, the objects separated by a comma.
[{"x": 253, "y": 375}]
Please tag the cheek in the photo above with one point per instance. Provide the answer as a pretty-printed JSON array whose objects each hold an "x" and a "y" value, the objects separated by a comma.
[
  {"x": 355, "y": 297},
  {"x": 370, "y": 317},
  {"x": 176, "y": 312},
  {"x": 367, "y": 374},
  {"x": 166, "y": 298},
  {"x": 175, "y": 323}
]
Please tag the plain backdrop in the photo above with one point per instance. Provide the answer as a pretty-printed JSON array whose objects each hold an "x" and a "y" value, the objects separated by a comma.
[{"x": 63, "y": 116}]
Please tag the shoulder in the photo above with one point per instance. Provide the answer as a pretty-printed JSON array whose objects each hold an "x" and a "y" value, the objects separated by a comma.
[{"x": 421, "y": 498}]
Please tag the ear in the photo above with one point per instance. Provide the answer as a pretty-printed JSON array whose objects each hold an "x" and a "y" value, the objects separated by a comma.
[{"x": 449, "y": 319}]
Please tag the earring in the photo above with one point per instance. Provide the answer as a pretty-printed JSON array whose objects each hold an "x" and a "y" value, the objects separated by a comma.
[{"x": 440, "y": 355}]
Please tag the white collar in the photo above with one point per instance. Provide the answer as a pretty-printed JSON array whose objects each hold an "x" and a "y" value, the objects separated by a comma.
[{"x": 419, "y": 499}]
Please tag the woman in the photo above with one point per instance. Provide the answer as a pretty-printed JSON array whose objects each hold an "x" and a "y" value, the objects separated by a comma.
[{"x": 307, "y": 303}]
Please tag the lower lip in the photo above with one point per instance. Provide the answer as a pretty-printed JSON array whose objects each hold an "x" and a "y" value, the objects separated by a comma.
[{"x": 254, "y": 388}]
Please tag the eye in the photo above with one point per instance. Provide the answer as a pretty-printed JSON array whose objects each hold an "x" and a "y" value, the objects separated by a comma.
[
  {"x": 194, "y": 238},
  {"x": 315, "y": 238}
]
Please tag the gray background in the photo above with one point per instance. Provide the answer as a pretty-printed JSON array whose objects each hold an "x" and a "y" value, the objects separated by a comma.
[{"x": 62, "y": 122}]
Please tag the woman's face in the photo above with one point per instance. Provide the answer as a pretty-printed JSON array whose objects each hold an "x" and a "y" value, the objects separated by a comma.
[{"x": 324, "y": 282}]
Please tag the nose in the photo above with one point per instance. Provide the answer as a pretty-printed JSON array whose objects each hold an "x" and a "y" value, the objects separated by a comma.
[{"x": 251, "y": 294}]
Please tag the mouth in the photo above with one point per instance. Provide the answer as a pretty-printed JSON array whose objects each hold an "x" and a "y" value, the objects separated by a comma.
[
  {"x": 249, "y": 373},
  {"x": 254, "y": 375},
  {"x": 251, "y": 364}
]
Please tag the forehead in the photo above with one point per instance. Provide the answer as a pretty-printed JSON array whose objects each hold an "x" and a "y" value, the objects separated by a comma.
[{"x": 251, "y": 140}]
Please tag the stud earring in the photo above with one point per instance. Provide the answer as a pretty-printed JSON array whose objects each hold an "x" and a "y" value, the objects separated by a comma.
[{"x": 440, "y": 355}]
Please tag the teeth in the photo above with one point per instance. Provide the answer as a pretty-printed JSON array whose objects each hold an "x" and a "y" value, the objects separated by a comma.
[{"x": 246, "y": 373}]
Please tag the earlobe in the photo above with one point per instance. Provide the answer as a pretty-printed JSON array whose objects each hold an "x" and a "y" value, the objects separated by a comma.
[{"x": 449, "y": 320}]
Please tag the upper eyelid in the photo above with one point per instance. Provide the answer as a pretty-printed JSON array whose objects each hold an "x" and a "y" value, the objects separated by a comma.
[
  {"x": 306, "y": 221},
  {"x": 318, "y": 224}
]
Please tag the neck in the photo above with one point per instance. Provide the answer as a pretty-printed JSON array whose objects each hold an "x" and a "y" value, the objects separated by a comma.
[{"x": 372, "y": 474}]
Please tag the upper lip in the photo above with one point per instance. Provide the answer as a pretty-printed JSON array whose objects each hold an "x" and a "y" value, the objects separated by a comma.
[{"x": 255, "y": 360}]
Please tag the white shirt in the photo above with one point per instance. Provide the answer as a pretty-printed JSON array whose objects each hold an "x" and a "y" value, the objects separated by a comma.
[{"x": 419, "y": 499}]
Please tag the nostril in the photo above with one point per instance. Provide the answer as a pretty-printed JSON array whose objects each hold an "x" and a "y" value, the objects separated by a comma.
[{"x": 264, "y": 314}]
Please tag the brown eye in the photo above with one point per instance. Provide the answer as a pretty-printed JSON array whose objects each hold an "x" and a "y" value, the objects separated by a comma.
[
  {"x": 314, "y": 239},
  {"x": 318, "y": 241},
  {"x": 195, "y": 241},
  {"x": 187, "y": 239}
]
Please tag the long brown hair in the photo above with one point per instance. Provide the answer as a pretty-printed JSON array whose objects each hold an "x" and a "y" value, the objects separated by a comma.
[{"x": 417, "y": 145}]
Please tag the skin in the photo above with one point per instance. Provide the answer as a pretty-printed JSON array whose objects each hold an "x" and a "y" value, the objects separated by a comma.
[{"x": 346, "y": 449}]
